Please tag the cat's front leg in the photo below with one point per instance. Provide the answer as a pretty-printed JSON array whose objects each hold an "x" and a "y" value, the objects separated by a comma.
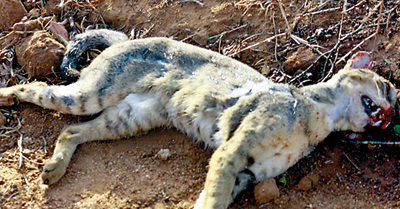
[{"x": 226, "y": 165}]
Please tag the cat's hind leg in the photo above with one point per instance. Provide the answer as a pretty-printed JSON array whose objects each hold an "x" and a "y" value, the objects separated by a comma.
[
  {"x": 71, "y": 99},
  {"x": 136, "y": 113}
]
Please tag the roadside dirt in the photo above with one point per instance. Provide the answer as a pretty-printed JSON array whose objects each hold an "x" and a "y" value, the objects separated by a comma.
[{"x": 128, "y": 174}]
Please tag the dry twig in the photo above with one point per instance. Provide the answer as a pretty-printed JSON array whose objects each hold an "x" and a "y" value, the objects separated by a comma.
[
  {"x": 299, "y": 41},
  {"x": 20, "y": 151},
  {"x": 284, "y": 15},
  {"x": 351, "y": 161},
  {"x": 357, "y": 5},
  {"x": 276, "y": 40},
  {"x": 381, "y": 4},
  {"x": 219, "y": 36},
  {"x": 258, "y": 43}
]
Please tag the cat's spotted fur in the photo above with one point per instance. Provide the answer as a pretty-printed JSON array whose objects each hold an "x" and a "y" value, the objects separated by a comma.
[{"x": 258, "y": 128}]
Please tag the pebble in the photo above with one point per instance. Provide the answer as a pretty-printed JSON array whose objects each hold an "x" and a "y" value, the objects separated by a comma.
[
  {"x": 308, "y": 182},
  {"x": 266, "y": 191},
  {"x": 164, "y": 154},
  {"x": 300, "y": 59}
]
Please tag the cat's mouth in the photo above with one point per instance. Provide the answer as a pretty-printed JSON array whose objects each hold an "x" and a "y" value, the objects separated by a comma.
[{"x": 378, "y": 116}]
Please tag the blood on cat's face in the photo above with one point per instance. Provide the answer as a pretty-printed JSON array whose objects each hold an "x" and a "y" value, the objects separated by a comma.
[{"x": 380, "y": 113}]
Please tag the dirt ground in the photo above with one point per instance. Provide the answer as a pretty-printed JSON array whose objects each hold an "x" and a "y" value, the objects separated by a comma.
[{"x": 297, "y": 42}]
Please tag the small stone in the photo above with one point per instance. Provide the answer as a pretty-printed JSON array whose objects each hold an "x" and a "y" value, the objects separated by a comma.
[
  {"x": 308, "y": 182},
  {"x": 163, "y": 154},
  {"x": 3, "y": 119},
  {"x": 266, "y": 191},
  {"x": 300, "y": 59},
  {"x": 305, "y": 184}
]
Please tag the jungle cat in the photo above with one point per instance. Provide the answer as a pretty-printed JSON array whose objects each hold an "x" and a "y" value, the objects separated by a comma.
[{"x": 257, "y": 128}]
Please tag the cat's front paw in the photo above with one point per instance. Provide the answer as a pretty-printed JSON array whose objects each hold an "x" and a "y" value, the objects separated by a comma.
[
  {"x": 7, "y": 98},
  {"x": 54, "y": 169}
]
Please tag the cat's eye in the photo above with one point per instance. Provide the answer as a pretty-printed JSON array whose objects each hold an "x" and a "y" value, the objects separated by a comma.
[{"x": 368, "y": 103}]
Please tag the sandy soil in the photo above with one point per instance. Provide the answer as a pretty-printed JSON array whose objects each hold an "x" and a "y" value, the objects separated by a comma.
[{"x": 128, "y": 174}]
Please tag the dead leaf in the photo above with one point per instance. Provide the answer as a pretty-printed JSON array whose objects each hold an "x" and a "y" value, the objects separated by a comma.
[{"x": 60, "y": 32}]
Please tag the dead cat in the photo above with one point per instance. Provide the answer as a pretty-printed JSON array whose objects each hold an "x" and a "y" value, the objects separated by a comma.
[{"x": 257, "y": 128}]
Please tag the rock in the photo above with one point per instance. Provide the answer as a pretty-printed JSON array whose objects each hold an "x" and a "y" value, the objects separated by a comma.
[
  {"x": 164, "y": 154},
  {"x": 12, "y": 11},
  {"x": 266, "y": 191},
  {"x": 308, "y": 182},
  {"x": 3, "y": 119},
  {"x": 301, "y": 59},
  {"x": 40, "y": 54},
  {"x": 305, "y": 184}
]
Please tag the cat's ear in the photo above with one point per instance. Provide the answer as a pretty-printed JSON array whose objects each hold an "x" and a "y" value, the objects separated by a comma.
[{"x": 359, "y": 60}]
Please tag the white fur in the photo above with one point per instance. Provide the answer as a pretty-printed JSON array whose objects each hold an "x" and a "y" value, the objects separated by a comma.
[{"x": 146, "y": 110}]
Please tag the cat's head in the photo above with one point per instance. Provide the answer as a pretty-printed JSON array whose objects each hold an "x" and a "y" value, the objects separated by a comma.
[{"x": 371, "y": 97}]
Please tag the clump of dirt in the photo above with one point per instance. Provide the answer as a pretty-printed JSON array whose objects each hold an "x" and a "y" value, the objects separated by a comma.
[
  {"x": 40, "y": 54},
  {"x": 300, "y": 59},
  {"x": 308, "y": 182},
  {"x": 12, "y": 12}
]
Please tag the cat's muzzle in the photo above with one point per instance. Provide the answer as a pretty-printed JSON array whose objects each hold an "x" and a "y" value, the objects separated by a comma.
[{"x": 378, "y": 115}]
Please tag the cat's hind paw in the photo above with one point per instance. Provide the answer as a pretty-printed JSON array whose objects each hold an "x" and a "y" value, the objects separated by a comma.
[{"x": 7, "y": 98}]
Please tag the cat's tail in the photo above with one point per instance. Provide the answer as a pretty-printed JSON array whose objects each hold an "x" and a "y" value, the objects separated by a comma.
[{"x": 93, "y": 39}]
